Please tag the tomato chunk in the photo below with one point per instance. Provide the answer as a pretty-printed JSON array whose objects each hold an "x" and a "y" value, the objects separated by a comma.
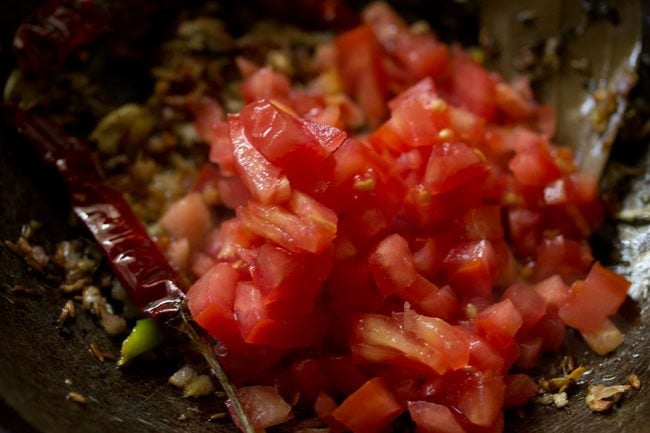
[
  {"x": 370, "y": 409},
  {"x": 263, "y": 406},
  {"x": 392, "y": 265},
  {"x": 263, "y": 180},
  {"x": 433, "y": 418},
  {"x": 592, "y": 301}
]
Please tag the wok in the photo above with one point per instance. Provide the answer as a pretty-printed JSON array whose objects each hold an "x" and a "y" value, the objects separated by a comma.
[{"x": 40, "y": 364}]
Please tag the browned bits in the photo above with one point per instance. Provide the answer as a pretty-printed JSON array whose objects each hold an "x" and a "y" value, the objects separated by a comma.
[
  {"x": 67, "y": 312},
  {"x": 20, "y": 289},
  {"x": 634, "y": 381},
  {"x": 76, "y": 398},
  {"x": 600, "y": 405},
  {"x": 601, "y": 398},
  {"x": 218, "y": 416},
  {"x": 100, "y": 354},
  {"x": 34, "y": 255}
]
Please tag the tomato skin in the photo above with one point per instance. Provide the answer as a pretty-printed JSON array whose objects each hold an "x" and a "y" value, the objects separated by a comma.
[
  {"x": 370, "y": 409},
  {"x": 591, "y": 301},
  {"x": 433, "y": 418}
]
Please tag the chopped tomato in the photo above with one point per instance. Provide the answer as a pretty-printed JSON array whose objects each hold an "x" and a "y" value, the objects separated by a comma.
[
  {"x": 401, "y": 214},
  {"x": 263, "y": 180},
  {"x": 369, "y": 409},
  {"x": 381, "y": 339},
  {"x": 392, "y": 265},
  {"x": 520, "y": 389},
  {"x": 188, "y": 218},
  {"x": 470, "y": 85},
  {"x": 263, "y": 406},
  {"x": 360, "y": 66},
  {"x": 451, "y": 165},
  {"x": 258, "y": 327},
  {"x": 471, "y": 268},
  {"x": 433, "y": 418},
  {"x": 499, "y": 323},
  {"x": 445, "y": 338},
  {"x": 592, "y": 301},
  {"x": 312, "y": 231}
]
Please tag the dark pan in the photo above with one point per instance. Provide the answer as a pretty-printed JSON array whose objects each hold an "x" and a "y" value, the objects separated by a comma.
[{"x": 40, "y": 364}]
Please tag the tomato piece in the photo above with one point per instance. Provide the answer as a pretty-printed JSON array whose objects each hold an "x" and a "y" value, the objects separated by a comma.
[
  {"x": 530, "y": 350},
  {"x": 429, "y": 258},
  {"x": 482, "y": 355},
  {"x": 499, "y": 323},
  {"x": 342, "y": 374},
  {"x": 369, "y": 409},
  {"x": 513, "y": 105},
  {"x": 445, "y": 338},
  {"x": 308, "y": 379},
  {"x": 533, "y": 168},
  {"x": 604, "y": 339},
  {"x": 421, "y": 54},
  {"x": 262, "y": 179},
  {"x": 565, "y": 257},
  {"x": 592, "y": 301},
  {"x": 520, "y": 389},
  {"x": 554, "y": 292},
  {"x": 480, "y": 398},
  {"x": 381, "y": 339},
  {"x": 483, "y": 222},
  {"x": 265, "y": 83},
  {"x": 350, "y": 287},
  {"x": 469, "y": 85},
  {"x": 263, "y": 406},
  {"x": 257, "y": 327},
  {"x": 392, "y": 266},
  {"x": 433, "y": 418},
  {"x": 471, "y": 268},
  {"x": 359, "y": 62},
  {"x": 528, "y": 302},
  {"x": 297, "y": 147},
  {"x": 189, "y": 218},
  {"x": 324, "y": 407},
  {"x": 366, "y": 191},
  {"x": 451, "y": 165},
  {"x": 312, "y": 231},
  {"x": 552, "y": 330},
  {"x": 233, "y": 192},
  {"x": 442, "y": 303},
  {"x": 211, "y": 299}
]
